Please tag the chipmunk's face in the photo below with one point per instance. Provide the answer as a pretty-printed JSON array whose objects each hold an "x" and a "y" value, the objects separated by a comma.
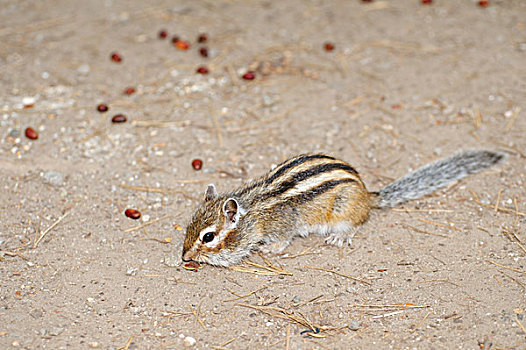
[{"x": 212, "y": 233}]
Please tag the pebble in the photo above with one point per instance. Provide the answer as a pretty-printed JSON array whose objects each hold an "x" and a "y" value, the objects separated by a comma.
[
  {"x": 354, "y": 325},
  {"x": 36, "y": 313},
  {"x": 93, "y": 344},
  {"x": 296, "y": 299},
  {"x": 14, "y": 133},
  {"x": 53, "y": 178},
  {"x": 28, "y": 100},
  {"x": 189, "y": 341},
  {"x": 132, "y": 271},
  {"x": 172, "y": 260},
  {"x": 83, "y": 69},
  {"x": 54, "y": 331}
]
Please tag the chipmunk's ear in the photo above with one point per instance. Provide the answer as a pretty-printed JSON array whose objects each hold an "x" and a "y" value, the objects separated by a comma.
[
  {"x": 232, "y": 212},
  {"x": 210, "y": 193}
]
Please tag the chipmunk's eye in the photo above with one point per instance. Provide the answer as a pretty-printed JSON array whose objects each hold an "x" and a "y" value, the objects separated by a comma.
[{"x": 208, "y": 237}]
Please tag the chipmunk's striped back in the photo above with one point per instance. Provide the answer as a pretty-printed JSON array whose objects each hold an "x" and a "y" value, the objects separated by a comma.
[{"x": 300, "y": 180}]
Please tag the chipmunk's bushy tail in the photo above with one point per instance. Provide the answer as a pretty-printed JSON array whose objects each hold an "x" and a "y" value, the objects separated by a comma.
[{"x": 433, "y": 176}]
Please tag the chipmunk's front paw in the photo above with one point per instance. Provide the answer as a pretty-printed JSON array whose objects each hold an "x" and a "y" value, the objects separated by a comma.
[{"x": 274, "y": 248}]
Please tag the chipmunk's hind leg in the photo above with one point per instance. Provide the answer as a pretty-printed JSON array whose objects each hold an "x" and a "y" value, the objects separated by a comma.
[
  {"x": 347, "y": 214},
  {"x": 339, "y": 239}
]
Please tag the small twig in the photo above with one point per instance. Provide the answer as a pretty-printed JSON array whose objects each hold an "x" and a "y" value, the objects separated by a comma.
[
  {"x": 357, "y": 333},
  {"x": 477, "y": 117},
  {"x": 520, "y": 324},
  {"x": 418, "y": 325},
  {"x": 158, "y": 240},
  {"x": 438, "y": 280},
  {"x": 507, "y": 210},
  {"x": 269, "y": 264},
  {"x": 264, "y": 270},
  {"x": 397, "y": 45},
  {"x": 339, "y": 274},
  {"x": 517, "y": 240},
  {"x": 5, "y": 252},
  {"x": 178, "y": 314},
  {"x": 149, "y": 223},
  {"x": 127, "y": 346},
  {"x": 391, "y": 306},
  {"x": 243, "y": 296},
  {"x": 423, "y": 231},
  {"x": 516, "y": 112},
  {"x": 269, "y": 268},
  {"x": 287, "y": 343},
  {"x": 439, "y": 224},
  {"x": 273, "y": 345},
  {"x": 506, "y": 267},
  {"x": 194, "y": 312},
  {"x": 245, "y": 269},
  {"x": 284, "y": 314},
  {"x": 424, "y": 210},
  {"x": 516, "y": 209},
  {"x": 389, "y": 314},
  {"x": 228, "y": 342},
  {"x": 303, "y": 252},
  {"x": 497, "y": 201},
  {"x": 43, "y": 234},
  {"x": 218, "y": 129},
  {"x": 515, "y": 280}
]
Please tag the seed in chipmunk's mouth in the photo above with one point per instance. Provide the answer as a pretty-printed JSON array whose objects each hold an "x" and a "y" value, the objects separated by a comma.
[
  {"x": 132, "y": 214},
  {"x": 192, "y": 266}
]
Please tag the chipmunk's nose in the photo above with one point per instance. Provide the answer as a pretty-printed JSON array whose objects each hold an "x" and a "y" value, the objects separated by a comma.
[{"x": 188, "y": 256}]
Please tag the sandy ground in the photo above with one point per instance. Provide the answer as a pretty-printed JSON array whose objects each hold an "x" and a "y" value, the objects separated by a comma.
[{"x": 406, "y": 84}]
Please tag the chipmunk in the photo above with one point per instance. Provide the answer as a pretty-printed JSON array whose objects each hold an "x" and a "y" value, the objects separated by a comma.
[{"x": 310, "y": 193}]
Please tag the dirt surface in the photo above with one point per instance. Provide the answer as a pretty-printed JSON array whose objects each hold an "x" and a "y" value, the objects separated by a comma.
[{"x": 406, "y": 84}]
